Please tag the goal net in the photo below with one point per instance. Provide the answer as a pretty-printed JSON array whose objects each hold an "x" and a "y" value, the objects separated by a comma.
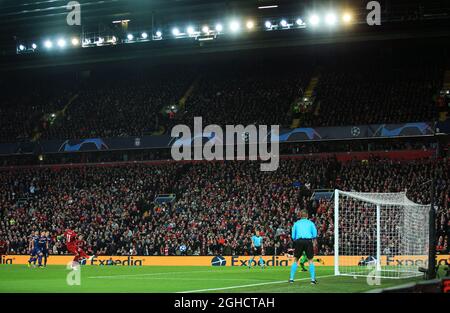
[{"x": 383, "y": 235}]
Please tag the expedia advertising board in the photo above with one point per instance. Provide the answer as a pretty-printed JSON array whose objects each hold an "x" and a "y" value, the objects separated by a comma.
[{"x": 218, "y": 260}]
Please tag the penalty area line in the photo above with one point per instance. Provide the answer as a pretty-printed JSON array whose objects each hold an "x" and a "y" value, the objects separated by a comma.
[{"x": 249, "y": 285}]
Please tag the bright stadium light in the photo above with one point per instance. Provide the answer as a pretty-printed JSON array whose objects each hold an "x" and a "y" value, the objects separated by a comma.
[
  {"x": 61, "y": 43},
  {"x": 48, "y": 44},
  {"x": 21, "y": 47},
  {"x": 158, "y": 33},
  {"x": 190, "y": 30},
  {"x": 283, "y": 23},
  {"x": 75, "y": 41},
  {"x": 130, "y": 37},
  {"x": 34, "y": 46},
  {"x": 175, "y": 31},
  {"x": 330, "y": 19},
  {"x": 299, "y": 21},
  {"x": 234, "y": 26},
  {"x": 314, "y": 20},
  {"x": 250, "y": 24},
  {"x": 144, "y": 35},
  {"x": 347, "y": 17},
  {"x": 205, "y": 29},
  {"x": 219, "y": 27},
  {"x": 268, "y": 24}
]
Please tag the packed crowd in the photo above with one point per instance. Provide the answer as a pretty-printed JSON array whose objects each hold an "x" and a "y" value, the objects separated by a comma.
[
  {"x": 134, "y": 102},
  {"x": 217, "y": 208},
  {"x": 115, "y": 106},
  {"x": 373, "y": 95},
  {"x": 247, "y": 95}
]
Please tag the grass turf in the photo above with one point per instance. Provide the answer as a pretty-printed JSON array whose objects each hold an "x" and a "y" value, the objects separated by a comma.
[{"x": 19, "y": 278}]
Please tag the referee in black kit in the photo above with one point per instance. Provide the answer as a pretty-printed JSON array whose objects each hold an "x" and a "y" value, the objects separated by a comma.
[{"x": 304, "y": 235}]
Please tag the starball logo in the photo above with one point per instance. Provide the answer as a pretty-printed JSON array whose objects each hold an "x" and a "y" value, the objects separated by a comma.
[{"x": 230, "y": 144}]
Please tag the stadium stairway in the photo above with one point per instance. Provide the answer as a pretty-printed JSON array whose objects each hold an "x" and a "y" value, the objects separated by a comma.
[
  {"x": 309, "y": 93},
  {"x": 187, "y": 94},
  {"x": 447, "y": 80},
  {"x": 37, "y": 132},
  {"x": 442, "y": 109}
]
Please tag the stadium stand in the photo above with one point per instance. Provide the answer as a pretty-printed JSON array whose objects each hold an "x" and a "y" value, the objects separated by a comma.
[
  {"x": 132, "y": 102},
  {"x": 218, "y": 203}
]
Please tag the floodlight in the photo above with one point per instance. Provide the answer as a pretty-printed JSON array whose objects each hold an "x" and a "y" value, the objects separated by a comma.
[
  {"x": 314, "y": 20},
  {"x": 190, "y": 30},
  {"x": 34, "y": 46},
  {"x": 75, "y": 41},
  {"x": 130, "y": 37},
  {"x": 48, "y": 44},
  {"x": 330, "y": 19},
  {"x": 268, "y": 24},
  {"x": 299, "y": 21},
  {"x": 283, "y": 23},
  {"x": 144, "y": 35},
  {"x": 205, "y": 29},
  {"x": 234, "y": 26},
  {"x": 61, "y": 43},
  {"x": 158, "y": 33},
  {"x": 175, "y": 31},
  {"x": 21, "y": 47},
  {"x": 250, "y": 24},
  {"x": 219, "y": 27},
  {"x": 347, "y": 17}
]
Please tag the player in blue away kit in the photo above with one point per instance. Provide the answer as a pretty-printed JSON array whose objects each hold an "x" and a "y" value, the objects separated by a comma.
[
  {"x": 47, "y": 247},
  {"x": 257, "y": 249},
  {"x": 33, "y": 247},
  {"x": 42, "y": 247},
  {"x": 304, "y": 235}
]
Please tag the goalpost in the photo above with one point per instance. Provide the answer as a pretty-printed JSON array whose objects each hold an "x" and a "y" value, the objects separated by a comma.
[{"x": 382, "y": 235}]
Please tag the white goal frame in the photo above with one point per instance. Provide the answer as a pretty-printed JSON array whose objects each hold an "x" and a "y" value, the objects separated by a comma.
[{"x": 409, "y": 236}]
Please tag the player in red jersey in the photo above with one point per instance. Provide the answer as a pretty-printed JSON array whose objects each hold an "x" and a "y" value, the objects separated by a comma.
[{"x": 74, "y": 244}]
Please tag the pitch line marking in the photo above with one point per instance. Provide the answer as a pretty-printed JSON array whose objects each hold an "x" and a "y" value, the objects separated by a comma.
[
  {"x": 151, "y": 274},
  {"x": 249, "y": 285}
]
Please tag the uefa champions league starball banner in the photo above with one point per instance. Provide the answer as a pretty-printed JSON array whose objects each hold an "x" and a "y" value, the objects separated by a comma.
[{"x": 166, "y": 141}]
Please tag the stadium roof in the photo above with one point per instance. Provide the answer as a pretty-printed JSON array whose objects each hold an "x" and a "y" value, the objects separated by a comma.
[{"x": 23, "y": 19}]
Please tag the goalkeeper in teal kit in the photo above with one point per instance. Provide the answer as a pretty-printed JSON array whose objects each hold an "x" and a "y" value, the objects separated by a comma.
[{"x": 304, "y": 235}]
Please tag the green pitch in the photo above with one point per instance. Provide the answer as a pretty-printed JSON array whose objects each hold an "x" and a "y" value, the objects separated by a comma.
[{"x": 19, "y": 278}]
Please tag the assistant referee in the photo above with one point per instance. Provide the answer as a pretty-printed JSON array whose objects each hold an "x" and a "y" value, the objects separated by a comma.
[{"x": 304, "y": 235}]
